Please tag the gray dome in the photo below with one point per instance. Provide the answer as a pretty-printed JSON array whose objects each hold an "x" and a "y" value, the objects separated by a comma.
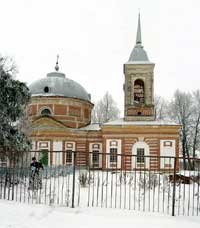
[{"x": 55, "y": 84}]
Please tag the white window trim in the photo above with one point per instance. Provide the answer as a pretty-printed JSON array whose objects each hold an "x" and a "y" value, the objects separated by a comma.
[
  {"x": 100, "y": 155},
  {"x": 42, "y": 108},
  {"x": 43, "y": 148},
  {"x": 136, "y": 164},
  {"x": 167, "y": 151},
  {"x": 73, "y": 149},
  {"x": 119, "y": 143},
  {"x": 57, "y": 156}
]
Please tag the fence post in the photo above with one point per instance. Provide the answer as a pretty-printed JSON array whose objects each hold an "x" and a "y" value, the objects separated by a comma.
[
  {"x": 74, "y": 173},
  {"x": 174, "y": 188}
]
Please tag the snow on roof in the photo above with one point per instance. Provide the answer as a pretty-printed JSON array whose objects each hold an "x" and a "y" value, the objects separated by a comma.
[
  {"x": 138, "y": 62},
  {"x": 141, "y": 123},
  {"x": 91, "y": 127}
]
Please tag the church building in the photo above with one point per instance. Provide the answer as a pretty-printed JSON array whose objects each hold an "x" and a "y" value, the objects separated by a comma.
[{"x": 60, "y": 114}]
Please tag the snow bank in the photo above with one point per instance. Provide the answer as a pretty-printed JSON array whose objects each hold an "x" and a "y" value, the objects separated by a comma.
[{"x": 16, "y": 215}]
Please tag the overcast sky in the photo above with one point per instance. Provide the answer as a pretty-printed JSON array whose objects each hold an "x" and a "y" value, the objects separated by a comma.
[{"x": 94, "y": 38}]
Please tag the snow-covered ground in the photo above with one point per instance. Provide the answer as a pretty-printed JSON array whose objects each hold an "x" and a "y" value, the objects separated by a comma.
[
  {"x": 16, "y": 215},
  {"x": 142, "y": 191}
]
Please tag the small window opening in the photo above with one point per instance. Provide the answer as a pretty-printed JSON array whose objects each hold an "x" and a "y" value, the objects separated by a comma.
[
  {"x": 139, "y": 113},
  {"x": 46, "y": 89},
  {"x": 46, "y": 112}
]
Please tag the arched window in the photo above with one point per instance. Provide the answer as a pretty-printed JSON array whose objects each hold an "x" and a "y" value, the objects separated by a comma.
[
  {"x": 139, "y": 91},
  {"x": 46, "y": 112}
]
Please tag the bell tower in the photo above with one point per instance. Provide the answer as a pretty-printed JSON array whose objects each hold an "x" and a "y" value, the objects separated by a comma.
[{"x": 139, "y": 83}]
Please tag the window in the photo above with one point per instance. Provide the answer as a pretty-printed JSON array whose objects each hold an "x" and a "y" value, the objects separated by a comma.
[
  {"x": 95, "y": 157},
  {"x": 113, "y": 143},
  {"x": 113, "y": 151},
  {"x": 68, "y": 156},
  {"x": 113, "y": 155},
  {"x": 70, "y": 147},
  {"x": 46, "y": 89},
  {"x": 95, "y": 146},
  {"x": 46, "y": 112},
  {"x": 139, "y": 91},
  {"x": 43, "y": 145},
  {"x": 140, "y": 155},
  {"x": 167, "y": 143}
]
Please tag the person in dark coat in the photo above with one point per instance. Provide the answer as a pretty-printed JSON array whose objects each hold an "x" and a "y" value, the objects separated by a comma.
[{"x": 35, "y": 177}]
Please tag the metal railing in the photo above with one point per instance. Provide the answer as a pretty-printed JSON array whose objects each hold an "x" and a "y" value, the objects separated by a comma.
[{"x": 144, "y": 183}]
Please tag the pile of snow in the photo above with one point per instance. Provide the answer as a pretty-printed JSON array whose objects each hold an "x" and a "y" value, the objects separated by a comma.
[{"x": 16, "y": 215}]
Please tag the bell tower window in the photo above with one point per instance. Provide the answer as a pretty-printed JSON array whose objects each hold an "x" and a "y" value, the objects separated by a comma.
[{"x": 139, "y": 91}]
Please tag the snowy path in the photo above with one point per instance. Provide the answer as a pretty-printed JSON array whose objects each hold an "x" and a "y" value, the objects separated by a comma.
[{"x": 16, "y": 215}]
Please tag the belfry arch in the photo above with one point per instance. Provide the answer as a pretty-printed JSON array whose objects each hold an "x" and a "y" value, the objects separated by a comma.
[{"x": 138, "y": 91}]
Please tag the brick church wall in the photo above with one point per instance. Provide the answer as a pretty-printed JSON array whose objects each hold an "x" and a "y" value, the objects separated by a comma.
[{"x": 74, "y": 113}]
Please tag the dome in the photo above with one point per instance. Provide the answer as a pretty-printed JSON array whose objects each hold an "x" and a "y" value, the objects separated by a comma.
[{"x": 56, "y": 84}]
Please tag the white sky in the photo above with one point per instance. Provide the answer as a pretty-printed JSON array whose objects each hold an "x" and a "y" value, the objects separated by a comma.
[{"x": 94, "y": 38}]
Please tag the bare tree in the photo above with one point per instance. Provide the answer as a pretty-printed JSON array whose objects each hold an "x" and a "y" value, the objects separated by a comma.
[
  {"x": 8, "y": 65},
  {"x": 105, "y": 110},
  {"x": 181, "y": 110},
  {"x": 195, "y": 134},
  {"x": 161, "y": 107},
  {"x": 184, "y": 109}
]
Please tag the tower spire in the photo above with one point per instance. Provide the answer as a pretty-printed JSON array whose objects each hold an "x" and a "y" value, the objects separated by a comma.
[
  {"x": 57, "y": 67},
  {"x": 139, "y": 37},
  {"x": 138, "y": 54}
]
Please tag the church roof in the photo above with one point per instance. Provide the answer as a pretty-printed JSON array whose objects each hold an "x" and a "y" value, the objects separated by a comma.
[
  {"x": 91, "y": 127},
  {"x": 56, "y": 84},
  {"x": 122, "y": 122},
  {"x": 138, "y": 54}
]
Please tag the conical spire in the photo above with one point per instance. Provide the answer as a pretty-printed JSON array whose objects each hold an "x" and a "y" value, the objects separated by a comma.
[
  {"x": 139, "y": 37},
  {"x": 138, "y": 54}
]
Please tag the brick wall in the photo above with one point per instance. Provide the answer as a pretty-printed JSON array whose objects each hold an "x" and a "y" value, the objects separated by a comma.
[{"x": 74, "y": 113}]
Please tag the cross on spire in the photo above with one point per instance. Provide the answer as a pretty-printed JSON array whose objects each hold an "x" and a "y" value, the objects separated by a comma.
[{"x": 57, "y": 67}]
